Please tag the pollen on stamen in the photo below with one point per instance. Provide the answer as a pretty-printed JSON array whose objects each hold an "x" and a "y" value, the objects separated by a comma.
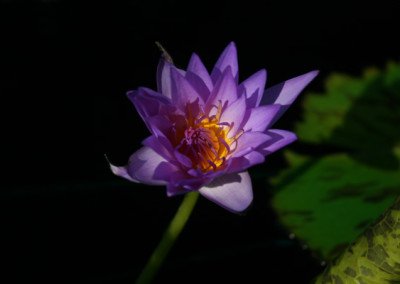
[
  {"x": 212, "y": 164},
  {"x": 224, "y": 143},
  {"x": 204, "y": 139}
]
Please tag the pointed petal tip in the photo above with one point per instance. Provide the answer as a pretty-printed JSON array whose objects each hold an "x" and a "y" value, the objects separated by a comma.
[
  {"x": 313, "y": 74},
  {"x": 194, "y": 56},
  {"x": 279, "y": 138},
  {"x": 131, "y": 94},
  {"x": 227, "y": 58},
  {"x": 121, "y": 172},
  {"x": 231, "y": 44}
]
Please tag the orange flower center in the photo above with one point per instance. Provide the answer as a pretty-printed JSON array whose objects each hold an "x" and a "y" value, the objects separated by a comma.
[{"x": 204, "y": 140}]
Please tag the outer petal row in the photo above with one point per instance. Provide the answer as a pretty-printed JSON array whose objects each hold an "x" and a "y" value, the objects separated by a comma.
[
  {"x": 286, "y": 92},
  {"x": 141, "y": 167},
  {"x": 198, "y": 76},
  {"x": 232, "y": 191},
  {"x": 253, "y": 87},
  {"x": 227, "y": 59},
  {"x": 260, "y": 118},
  {"x": 164, "y": 77}
]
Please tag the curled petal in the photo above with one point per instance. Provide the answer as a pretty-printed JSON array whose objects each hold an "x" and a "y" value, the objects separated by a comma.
[
  {"x": 122, "y": 172},
  {"x": 232, "y": 191},
  {"x": 141, "y": 167},
  {"x": 286, "y": 92}
]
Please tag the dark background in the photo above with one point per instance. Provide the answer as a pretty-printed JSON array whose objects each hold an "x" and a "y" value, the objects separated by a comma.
[{"x": 66, "y": 67}]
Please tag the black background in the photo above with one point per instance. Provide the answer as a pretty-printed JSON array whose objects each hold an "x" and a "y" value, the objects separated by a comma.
[{"x": 66, "y": 66}]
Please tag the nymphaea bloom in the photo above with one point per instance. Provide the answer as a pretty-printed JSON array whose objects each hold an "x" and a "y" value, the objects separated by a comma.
[{"x": 206, "y": 130}]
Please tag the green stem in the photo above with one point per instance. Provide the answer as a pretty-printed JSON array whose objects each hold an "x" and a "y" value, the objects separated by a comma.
[{"x": 169, "y": 238}]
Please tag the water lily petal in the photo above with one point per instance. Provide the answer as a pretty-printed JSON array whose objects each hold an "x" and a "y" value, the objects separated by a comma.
[
  {"x": 234, "y": 115},
  {"x": 286, "y": 92},
  {"x": 254, "y": 88},
  {"x": 197, "y": 67},
  {"x": 279, "y": 139},
  {"x": 198, "y": 84},
  {"x": 227, "y": 59},
  {"x": 232, "y": 192},
  {"x": 147, "y": 102},
  {"x": 170, "y": 173},
  {"x": 159, "y": 122},
  {"x": 141, "y": 167},
  {"x": 160, "y": 145},
  {"x": 183, "y": 159},
  {"x": 122, "y": 172},
  {"x": 224, "y": 90},
  {"x": 242, "y": 163},
  {"x": 260, "y": 118},
  {"x": 249, "y": 140},
  {"x": 179, "y": 182},
  {"x": 164, "y": 77},
  {"x": 182, "y": 92},
  {"x": 173, "y": 189}
]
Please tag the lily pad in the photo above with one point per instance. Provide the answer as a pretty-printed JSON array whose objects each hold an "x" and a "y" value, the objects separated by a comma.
[
  {"x": 328, "y": 200},
  {"x": 374, "y": 257},
  {"x": 356, "y": 115}
]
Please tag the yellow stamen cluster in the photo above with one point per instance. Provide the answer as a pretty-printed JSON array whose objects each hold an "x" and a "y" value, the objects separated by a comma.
[{"x": 204, "y": 140}]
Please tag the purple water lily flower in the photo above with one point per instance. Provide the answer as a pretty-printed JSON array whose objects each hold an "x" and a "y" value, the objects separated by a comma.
[{"x": 206, "y": 130}]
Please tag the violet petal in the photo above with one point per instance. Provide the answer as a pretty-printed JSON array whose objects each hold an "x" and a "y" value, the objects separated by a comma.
[
  {"x": 227, "y": 59},
  {"x": 279, "y": 139},
  {"x": 122, "y": 172},
  {"x": 261, "y": 117},
  {"x": 164, "y": 77},
  {"x": 182, "y": 91},
  {"x": 197, "y": 67},
  {"x": 160, "y": 145},
  {"x": 286, "y": 92},
  {"x": 249, "y": 140},
  {"x": 232, "y": 191},
  {"x": 234, "y": 115},
  {"x": 254, "y": 88},
  {"x": 141, "y": 167},
  {"x": 173, "y": 189},
  {"x": 147, "y": 102},
  {"x": 244, "y": 162},
  {"x": 169, "y": 172},
  {"x": 225, "y": 89}
]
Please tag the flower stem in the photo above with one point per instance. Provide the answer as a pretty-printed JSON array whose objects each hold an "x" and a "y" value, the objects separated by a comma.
[{"x": 169, "y": 238}]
